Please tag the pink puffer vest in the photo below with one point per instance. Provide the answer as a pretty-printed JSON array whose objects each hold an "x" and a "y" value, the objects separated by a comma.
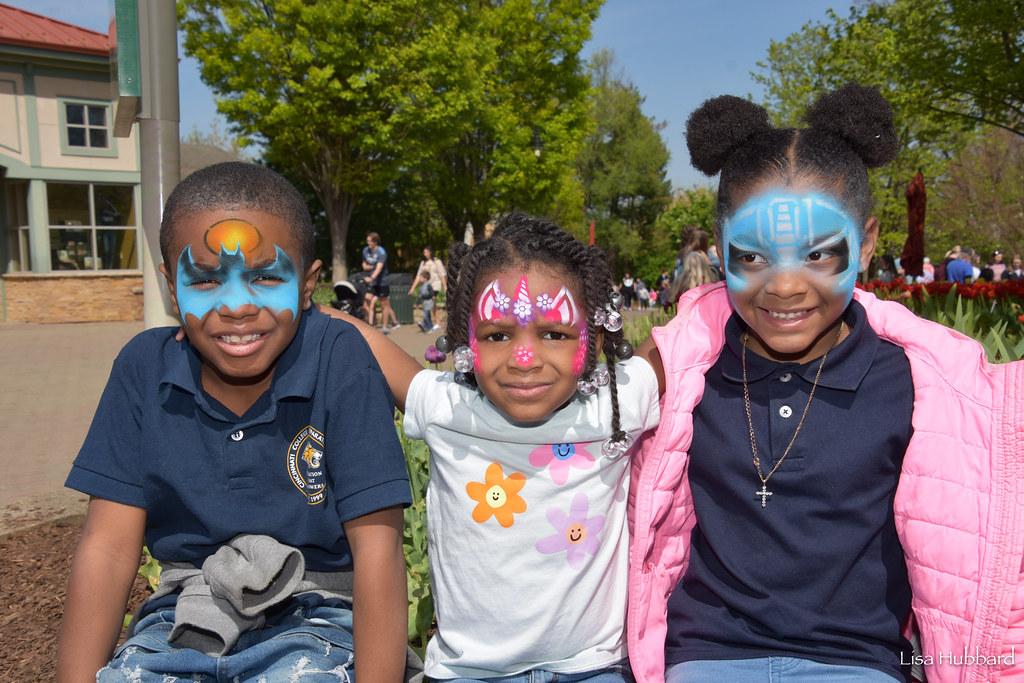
[{"x": 959, "y": 504}]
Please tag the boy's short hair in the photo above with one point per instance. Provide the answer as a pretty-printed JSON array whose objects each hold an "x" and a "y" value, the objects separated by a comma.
[
  {"x": 373, "y": 236},
  {"x": 238, "y": 185}
]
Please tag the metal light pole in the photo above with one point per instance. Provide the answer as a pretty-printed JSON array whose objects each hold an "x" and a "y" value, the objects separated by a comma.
[{"x": 158, "y": 138}]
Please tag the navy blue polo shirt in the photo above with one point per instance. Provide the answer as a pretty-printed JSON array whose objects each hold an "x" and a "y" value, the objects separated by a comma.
[
  {"x": 319, "y": 448},
  {"x": 819, "y": 572}
]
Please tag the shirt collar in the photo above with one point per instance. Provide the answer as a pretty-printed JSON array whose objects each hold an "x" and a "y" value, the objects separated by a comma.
[
  {"x": 295, "y": 373},
  {"x": 845, "y": 368}
]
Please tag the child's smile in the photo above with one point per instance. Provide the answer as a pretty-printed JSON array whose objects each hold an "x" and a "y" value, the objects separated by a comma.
[{"x": 529, "y": 337}]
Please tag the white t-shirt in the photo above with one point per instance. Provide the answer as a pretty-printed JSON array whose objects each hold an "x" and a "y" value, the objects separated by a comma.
[{"x": 528, "y": 539}]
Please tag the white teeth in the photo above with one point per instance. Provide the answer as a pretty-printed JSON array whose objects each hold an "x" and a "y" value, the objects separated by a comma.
[
  {"x": 239, "y": 339},
  {"x": 786, "y": 316}
]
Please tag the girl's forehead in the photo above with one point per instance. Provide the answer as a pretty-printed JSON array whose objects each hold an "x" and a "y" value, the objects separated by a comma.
[{"x": 540, "y": 278}]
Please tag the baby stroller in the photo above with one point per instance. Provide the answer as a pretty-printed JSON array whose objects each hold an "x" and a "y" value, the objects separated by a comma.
[{"x": 349, "y": 296}]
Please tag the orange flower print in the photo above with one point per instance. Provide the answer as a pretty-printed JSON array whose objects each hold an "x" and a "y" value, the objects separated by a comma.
[{"x": 497, "y": 495}]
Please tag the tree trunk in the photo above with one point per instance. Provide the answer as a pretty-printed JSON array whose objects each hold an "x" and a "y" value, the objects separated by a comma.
[{"x": 338, "y": 206}]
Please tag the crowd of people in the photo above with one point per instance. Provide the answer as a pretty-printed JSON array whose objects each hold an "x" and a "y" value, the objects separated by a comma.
[{"x": 961, "y": 265}]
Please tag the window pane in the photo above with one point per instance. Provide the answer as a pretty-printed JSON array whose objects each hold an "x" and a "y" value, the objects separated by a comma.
[
  {"x": 116, "y": 249},
  {"x": 97, "y": 116},
  {"x": 76, "y": 136},
  {"x": 97, "y": 137},
  {"x": 114, "y": 204},
  {"x": 76, "y": 113},
  {"x": 70, "y": 248},
  {"x": 68, "y": 204}
]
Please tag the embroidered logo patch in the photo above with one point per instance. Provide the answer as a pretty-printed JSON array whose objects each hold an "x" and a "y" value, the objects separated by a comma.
[{"x": 305, "y": 464}]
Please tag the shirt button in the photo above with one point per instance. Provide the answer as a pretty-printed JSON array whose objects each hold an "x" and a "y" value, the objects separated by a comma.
[
  {"x": 785, "y": 411},
  {"x": 237, "y": 436},
  {"x": 785, "y": 377}
]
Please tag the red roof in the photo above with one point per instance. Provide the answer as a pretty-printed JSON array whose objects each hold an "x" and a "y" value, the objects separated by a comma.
[{"x": 18, "y": 27}]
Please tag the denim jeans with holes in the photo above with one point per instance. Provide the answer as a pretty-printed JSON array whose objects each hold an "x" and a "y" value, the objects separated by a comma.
[{"x": 310, "y": 641}]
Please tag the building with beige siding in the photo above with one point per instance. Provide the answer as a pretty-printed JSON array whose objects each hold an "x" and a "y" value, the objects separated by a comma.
[{"x": 69, "y": 190}]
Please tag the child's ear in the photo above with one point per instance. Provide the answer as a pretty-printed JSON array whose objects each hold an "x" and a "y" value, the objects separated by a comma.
[
  {"x": 868, "y": 243},
  {"x": 309, "y": 283},
  {"x": 172, "y": 289}
]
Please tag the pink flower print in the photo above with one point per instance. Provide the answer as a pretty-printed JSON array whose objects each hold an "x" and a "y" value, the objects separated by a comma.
[
  {"x": 524, "y": 355},
  {"x": 575, "y": 533},
  {"x": 561, "y": 457}
]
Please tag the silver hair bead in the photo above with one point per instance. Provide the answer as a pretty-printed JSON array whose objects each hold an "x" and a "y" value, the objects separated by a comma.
[
  {"x": 442, "y": 344},
  {"x": 600, "y": 376},
  {"x": 600, "y": 316},
  {"x": 613, "y": 321},
  {"x": 586, "y": 387},
  {"x": 624, "y": 350},
  {"x": 615, "y": 299},
  {"x": 613, "y": 448},
  {"x": 464, "y": 358}
]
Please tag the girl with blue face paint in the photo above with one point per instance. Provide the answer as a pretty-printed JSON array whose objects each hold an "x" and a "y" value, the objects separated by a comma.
[{"x": 822, "y": 455}]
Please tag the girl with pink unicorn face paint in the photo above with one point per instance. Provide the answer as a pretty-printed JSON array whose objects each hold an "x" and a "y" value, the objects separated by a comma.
[{"x": 529, "y": 442}]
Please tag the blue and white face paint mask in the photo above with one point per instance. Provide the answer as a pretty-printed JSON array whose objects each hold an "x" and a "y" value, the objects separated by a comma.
[
  {"x": 776, "y": 231},
  {"x": 233, "y": 284}
]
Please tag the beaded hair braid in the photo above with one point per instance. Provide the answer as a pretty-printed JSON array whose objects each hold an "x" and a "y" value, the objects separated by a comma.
[{"x": 520, "y": 239}]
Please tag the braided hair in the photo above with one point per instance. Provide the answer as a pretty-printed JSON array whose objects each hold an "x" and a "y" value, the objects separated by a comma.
[
  {"x": 850, "y": 130},
  {"x": 523, "y": 240}
]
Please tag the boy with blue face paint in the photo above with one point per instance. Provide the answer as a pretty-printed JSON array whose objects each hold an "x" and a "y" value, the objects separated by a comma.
[
  {"x": 272, "y": 500},
  {"x": 829, "y": 476}
]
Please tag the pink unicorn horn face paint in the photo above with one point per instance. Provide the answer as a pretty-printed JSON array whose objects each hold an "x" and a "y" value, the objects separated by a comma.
[{"x": 530, "y": 341}]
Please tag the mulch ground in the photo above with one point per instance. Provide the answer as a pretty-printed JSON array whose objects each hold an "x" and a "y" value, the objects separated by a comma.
[{"x": 34, "y": 567}]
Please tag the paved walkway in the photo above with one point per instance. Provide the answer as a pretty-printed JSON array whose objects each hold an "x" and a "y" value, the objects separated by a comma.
[{"x": 51, "y": 378}]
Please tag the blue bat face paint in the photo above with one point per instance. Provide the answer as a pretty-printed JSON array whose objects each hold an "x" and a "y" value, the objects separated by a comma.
[
  {"x": 776, "y": 231},
  {"x": 233, "y": 284}
]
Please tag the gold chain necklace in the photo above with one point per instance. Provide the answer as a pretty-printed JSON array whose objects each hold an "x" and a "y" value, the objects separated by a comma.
[{"x": 764, "y": 493}]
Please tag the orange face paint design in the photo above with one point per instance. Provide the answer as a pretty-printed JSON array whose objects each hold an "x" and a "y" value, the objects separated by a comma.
[{"x": 232, "y": 235}]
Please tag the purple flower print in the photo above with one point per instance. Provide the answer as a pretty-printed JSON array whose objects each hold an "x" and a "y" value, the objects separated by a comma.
[
  {"x": 575, "y": 533},
  {"x": 561, "y": 457}
]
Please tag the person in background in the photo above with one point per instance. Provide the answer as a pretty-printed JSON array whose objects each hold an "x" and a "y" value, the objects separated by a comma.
[
  {"x": 959, "y": 270},
  {"x": 928, "y": 271},
  {"x": 1016, "y": 271},
  {"x": 431, "y": 278},
  {"x": 643, "y": 295},
  {"x": 375, "y": 265},
  {"x": 951, "y": 255},
  {"x": 997, "y": 266},
  {"x": 628, "y": 291}
]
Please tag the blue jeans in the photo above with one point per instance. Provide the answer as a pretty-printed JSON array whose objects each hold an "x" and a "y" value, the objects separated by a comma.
[
  {"x": 771, "y": 670},
  {"x": 428, "y": 322},
  {"x": 616, "y": 673},
  {"x": 310, "y": 641}
]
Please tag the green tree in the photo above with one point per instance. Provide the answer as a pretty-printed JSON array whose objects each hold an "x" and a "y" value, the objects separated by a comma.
[
  {"x": 526, "y": 115},
  {"x": 622, "y": 167},
  {"x": 346, "y": 93},
  {"x": 947, "y": 66},
  {"x": 979, "y": 202},
  {"x": 821, "y": 57},
  {"x": 693, "y": 207}
]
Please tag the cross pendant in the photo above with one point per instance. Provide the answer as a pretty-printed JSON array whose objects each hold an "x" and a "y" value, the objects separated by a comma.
[{"x": 763, "y": 494}]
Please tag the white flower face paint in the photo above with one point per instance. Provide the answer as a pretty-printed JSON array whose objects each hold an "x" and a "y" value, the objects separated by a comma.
[{"x": 778, "y": 231}]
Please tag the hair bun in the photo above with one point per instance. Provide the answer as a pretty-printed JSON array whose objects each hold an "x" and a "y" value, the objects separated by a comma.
[
  {"x": 718, "y": 127},
  {"x": 860, "y": 116}
]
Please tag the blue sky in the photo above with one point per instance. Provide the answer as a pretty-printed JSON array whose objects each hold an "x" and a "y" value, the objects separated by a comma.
[{"x": 678, "y": 53}]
